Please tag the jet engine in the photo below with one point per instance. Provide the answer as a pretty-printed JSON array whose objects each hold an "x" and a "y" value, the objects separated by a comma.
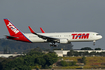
[{"x": 63, "y": 41}]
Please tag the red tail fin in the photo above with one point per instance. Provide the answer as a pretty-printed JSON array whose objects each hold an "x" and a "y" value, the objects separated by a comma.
[{"x": 11, "y": 28}]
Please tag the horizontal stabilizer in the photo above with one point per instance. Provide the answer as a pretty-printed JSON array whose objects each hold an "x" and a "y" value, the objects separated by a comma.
[{"x": 10, "y": 37}]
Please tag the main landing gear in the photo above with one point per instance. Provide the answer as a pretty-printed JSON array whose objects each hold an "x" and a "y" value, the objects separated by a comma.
[{"x": 53, "y": 44}]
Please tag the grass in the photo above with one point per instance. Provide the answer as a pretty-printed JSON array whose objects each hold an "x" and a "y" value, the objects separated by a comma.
[
  {"x": 91, "y": 62},
  {"x": 95, "y": 60},
  {"x": 68, "y": 67},
  {"x": 72, "y": 58}
]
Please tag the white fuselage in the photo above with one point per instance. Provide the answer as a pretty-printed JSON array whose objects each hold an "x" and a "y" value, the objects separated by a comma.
[{"x": 70, "y": 36}]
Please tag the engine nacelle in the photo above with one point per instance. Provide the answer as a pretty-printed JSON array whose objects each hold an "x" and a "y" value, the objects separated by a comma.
[{"x": 63, "y": 41}]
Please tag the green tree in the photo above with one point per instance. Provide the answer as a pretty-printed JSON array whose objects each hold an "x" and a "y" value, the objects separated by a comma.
[
  {"x": 97, "y": 48},
  {"x": 33, "y": 52},
  {"x": 50, "y": 58},
  {"x": 73, "y": 63},
  {"x": 41, "y": 61},
  {"x": 83, "y": 60},
  {"x": 71, "y": 53},
  {"x": 86, "y": 48},
  {"x": 33, "y": 59},
  {"x": 5, "y": 50},
  {"x": 93, "y": 53},
  {"x": 29, "y": 60},
  {"x": 23, "y": 67},
  {"x": 64, "y": 63},
  {"x": 4, "y": 64}
]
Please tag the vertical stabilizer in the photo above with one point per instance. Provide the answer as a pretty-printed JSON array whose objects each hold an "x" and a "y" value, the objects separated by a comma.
[
  {"x": 11, "y": 28},
  {"x": 15, "y": 34}
]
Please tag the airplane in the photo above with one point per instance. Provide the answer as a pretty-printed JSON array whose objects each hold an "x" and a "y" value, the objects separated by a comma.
[{"x": 52, "y": 38}]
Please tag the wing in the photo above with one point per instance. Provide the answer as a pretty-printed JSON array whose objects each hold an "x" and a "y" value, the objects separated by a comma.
[{"x": 49, "y": 39}]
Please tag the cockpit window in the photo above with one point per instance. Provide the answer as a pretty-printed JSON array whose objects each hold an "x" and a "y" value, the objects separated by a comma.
[{"x": 97, "y": 34}]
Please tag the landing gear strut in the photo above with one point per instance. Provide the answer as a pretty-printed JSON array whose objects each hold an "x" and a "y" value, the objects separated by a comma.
[{"x": 94, "y": 42}]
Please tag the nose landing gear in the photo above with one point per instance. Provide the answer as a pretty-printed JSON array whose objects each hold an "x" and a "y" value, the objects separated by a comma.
[{"x": 94, "y": 42}]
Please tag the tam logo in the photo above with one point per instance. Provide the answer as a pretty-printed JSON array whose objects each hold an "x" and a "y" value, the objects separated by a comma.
[
  {"x": 13, "y": 28},
  {"x": 80, "y": 36}
]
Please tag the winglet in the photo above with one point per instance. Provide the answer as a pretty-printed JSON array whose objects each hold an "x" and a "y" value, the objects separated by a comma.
[
  {"x": 42, "y": 30},
  {"x": 31, "y": 29}
]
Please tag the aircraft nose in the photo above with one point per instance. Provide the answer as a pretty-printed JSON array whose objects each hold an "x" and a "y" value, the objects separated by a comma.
[{"x": 100, "y": 36}]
